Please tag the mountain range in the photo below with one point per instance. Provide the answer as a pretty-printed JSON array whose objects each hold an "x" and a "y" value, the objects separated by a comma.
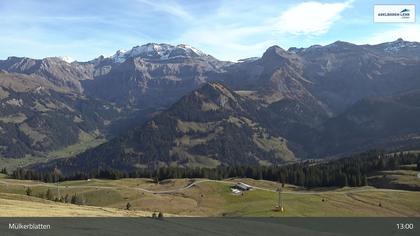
[{"x": 159, "y": 104}]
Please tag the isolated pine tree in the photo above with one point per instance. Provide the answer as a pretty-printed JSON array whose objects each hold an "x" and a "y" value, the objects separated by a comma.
[{"x": 29, "y": 191}]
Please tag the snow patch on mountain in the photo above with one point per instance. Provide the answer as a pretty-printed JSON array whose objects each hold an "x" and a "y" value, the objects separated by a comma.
[
  {"x": 249, "y": 59},
  {"x": 67, "y": 59},
  {"x": 397, "y": 45}
]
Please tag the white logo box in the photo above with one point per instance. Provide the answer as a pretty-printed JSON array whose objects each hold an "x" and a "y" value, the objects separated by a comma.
[{"x": 404, "y": 13}]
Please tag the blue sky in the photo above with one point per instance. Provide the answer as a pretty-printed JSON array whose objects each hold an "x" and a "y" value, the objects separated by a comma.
[{"x": 226, "y": 29}]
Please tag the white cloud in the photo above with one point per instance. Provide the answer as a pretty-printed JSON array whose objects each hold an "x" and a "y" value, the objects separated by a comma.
[
  {"x": 311, "y": 18},
  {"x": 409, "y": 32}
]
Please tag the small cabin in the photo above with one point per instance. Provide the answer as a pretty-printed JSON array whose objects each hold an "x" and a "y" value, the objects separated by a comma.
[{"x": 242, "y": 187}]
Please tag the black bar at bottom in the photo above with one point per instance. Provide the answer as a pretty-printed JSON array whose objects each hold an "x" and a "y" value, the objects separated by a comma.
[{"x": 210, "y": 226}]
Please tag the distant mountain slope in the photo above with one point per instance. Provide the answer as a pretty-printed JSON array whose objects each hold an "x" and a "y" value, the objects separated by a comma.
[
  {"x": 208, "y": 127},
  {"x": 37, "y": 116},
  {"x": 383, "y": 122},
  {"x": 140, "y": 82},
  {"x": 53, "y": 69},
  {"x": 332, "y": 77},
  {"x": 342, "y": 73}
]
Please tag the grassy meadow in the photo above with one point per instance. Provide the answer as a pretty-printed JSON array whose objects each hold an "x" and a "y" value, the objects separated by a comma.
[{"x": 203, "y": 198}]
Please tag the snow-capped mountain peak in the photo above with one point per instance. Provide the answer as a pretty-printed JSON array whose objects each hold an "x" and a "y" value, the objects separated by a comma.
[{"x": 158, "y": 52}]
